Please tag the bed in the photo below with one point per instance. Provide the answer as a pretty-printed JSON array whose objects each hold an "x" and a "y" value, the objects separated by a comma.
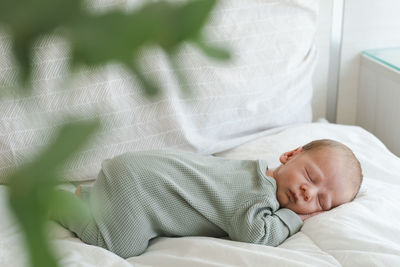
[
  {"x": 257, "y": 106},
  {"x": 361, "y": 233}
]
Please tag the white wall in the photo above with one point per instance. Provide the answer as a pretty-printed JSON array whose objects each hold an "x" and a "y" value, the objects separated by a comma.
[
  {"x": 320, "y": 78},
  {"x": 368, "y": 24}
]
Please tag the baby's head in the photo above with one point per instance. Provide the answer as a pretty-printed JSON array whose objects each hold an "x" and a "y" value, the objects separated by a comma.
[{"x": 319, "y": 176}]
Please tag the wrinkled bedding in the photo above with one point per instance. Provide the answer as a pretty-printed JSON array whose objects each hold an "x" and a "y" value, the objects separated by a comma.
[{"x": 364, "y": 232}]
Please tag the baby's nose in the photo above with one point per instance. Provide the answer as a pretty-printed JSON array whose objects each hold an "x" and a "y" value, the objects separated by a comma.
[{"x": 306, "y": 192}]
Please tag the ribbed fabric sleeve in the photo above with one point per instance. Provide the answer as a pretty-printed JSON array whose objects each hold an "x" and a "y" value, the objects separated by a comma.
[{"x": 291, "y": 219}]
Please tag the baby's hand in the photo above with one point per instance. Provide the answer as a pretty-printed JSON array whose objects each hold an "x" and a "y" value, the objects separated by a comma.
[{"x": 304, "y": 217}]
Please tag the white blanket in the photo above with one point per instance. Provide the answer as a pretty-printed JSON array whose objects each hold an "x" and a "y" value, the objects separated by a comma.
[{"x": 362, "y": 233}]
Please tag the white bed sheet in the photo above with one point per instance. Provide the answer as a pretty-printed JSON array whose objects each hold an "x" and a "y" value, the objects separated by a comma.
[{"x": 362, "y": 233}]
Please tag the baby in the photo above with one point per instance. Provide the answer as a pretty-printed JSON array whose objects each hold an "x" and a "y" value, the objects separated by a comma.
[{"x": 142, "y": 195}]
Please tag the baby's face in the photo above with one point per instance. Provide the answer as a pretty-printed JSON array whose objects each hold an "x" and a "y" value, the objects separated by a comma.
[{"x": 311, "y": 181}]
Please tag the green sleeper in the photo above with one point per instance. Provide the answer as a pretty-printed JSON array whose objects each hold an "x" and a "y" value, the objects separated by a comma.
[{"x": 142, "y": 195}]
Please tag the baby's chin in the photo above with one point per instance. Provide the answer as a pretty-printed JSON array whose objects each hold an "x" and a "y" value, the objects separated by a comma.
[{"x": 284, "y": 202}]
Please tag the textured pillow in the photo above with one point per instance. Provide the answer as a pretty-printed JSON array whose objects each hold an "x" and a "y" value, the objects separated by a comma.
[{"x": 267, "y": 84}]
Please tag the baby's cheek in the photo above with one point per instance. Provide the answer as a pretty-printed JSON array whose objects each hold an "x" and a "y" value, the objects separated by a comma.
[{"x": 282, "y": 199}]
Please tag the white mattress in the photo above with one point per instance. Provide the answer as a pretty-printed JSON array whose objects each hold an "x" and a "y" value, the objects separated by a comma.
[{"x": 362, "y": 233}]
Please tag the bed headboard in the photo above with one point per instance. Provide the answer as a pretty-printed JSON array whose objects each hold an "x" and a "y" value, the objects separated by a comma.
[{"x": 267, "y": 84}]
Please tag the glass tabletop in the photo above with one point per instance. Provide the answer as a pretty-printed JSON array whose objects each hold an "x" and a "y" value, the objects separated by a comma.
[{"x": 388, "y": 56}]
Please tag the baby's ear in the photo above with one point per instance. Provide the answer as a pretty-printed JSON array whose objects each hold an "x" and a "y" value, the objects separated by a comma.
[{"x": 285, "y": 157}]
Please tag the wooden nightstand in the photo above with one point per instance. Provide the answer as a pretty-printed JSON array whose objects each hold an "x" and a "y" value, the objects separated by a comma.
[{"x": 378, "y": 108}]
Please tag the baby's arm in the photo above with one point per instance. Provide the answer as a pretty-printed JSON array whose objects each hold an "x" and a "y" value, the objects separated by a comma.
[{"x": 257, "y": 223}]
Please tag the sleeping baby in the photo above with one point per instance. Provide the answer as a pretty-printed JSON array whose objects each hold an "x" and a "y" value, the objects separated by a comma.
[{"x": 142, "y": 195}]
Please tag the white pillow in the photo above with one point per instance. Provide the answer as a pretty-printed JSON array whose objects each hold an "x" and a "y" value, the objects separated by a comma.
[{"x": 267, "y": 84}]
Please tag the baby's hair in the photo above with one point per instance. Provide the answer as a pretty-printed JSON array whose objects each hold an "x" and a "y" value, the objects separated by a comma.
[{"x": 351, "y": 160}]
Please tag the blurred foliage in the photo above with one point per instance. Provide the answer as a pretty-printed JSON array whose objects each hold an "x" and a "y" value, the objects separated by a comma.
[
  {"x": 98, "y": 38},
  {"x": 32, "y": 194},
  {"x": 95, "y": 38}
]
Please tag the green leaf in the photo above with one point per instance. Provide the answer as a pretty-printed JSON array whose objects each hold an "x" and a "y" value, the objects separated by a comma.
[
  {"x": 67, "y": 204},
  {"x": 148, "y": 85},
  {"x": 27, "y": 20},
  {"x": 32, "y": 187},
  {"x": 100, "y": 38},
  {"x": 118, "y": 36},
  {"x": 192, "y": 17},
  {"x": 212, "y": 51}
]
